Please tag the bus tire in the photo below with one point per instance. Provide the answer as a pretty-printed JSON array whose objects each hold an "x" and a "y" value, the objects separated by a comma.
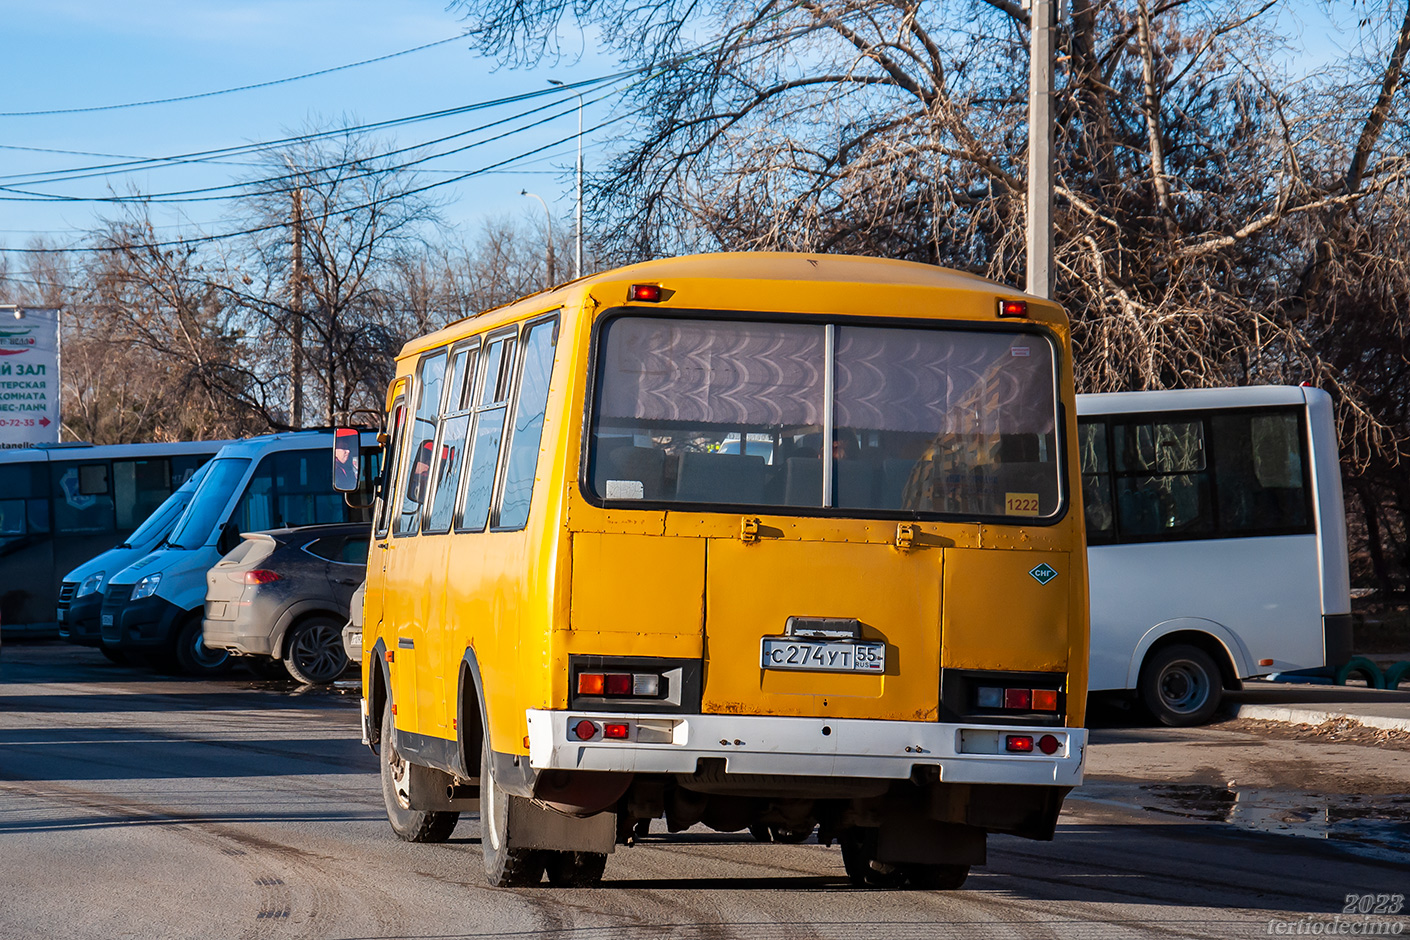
[
  {"x": 504, "y": 867},
  {"x": 313, "y": 650},
  {"x": 864, "y": 871},
  {"x": 575, "y": 869},
  {"x": 193, "y": 657},
  {"x": 1180, "y": 685},
  {"x": 410, "y": 825}
]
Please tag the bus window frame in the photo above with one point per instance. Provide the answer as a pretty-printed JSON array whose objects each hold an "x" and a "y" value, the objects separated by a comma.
[
  {"x": 391, "y": 469},
  {"x": 471, "y": 347},
  {"x": 506, "y": 443},
  {"x": 1211, "y": 465},
  {"x": 512, "y": 332},
  {"x": 413, "y": 389},
  {"x": 1033, "y": 328}
]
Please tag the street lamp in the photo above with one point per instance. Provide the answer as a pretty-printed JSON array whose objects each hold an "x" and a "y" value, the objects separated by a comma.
[
  {"x": 578, "y": 253},
  {"x": 548, "y": 284}
]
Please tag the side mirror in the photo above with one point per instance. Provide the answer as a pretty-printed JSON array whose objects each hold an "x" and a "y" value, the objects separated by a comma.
[
  {"x": 229, "y": 537},
  {"x": 347, "y": 451}
]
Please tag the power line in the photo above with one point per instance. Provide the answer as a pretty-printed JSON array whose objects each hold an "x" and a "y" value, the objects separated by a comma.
[
  {"x": 252, "y": 187},
  {"x": 340, "y": 210},
  {"x": 228, "y": 91},
  {"x": 206, "y": 156}
]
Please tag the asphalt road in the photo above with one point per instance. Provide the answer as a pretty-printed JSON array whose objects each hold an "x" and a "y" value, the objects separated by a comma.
[{"x": 133, "y": 805}]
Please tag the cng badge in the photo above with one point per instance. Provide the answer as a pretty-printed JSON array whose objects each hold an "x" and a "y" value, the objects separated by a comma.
[{"x": 1043, "y": 573}]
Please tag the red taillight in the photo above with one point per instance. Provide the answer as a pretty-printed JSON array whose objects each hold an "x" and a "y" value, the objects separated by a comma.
[
  {"x": 1013, "y": 308},
  {"x": 261, "y": 576},
  {"x": 1018, "y": 698},
  {"x": 1019, "y": 743},
  {"x": 1044, "y": 700},
  {"x": 585, "y": 730},
  {"x": 1048, "y": 744},
  {"x": 651, "y": 293},
  {"x": 591, "y": 683},
  {"x": 618, "y": 731},
  {"x": 619, "y": 683}
]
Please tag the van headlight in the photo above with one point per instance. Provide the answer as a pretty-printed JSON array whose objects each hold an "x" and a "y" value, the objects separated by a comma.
[
  {"x": 147, "y": 586},
  {"x": 91, "y": 584}
]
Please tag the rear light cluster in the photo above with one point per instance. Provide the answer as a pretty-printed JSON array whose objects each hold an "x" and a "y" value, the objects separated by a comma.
[
  {"x": 620, "y": 685},
  {"x": 610, "y": 730},
  {"x": 1024, "y": 744},
  {"x": 261, "y": 576},
  {"x": 1021, "y": 700}
]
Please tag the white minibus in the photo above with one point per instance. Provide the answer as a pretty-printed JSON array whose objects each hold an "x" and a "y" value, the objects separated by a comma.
[{"x": 1216, "y": 541}]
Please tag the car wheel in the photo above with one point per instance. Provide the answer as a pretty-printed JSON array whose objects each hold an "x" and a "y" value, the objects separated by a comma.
[
  {"x": 193, "y": 657},
  {"x": 410, "y": 825},
  {"x": 504, "y": 867},
  {"x": 1181, "y": 686},
  {"x": 313, "y": 650},
  {"x": 116, "y": 657}
]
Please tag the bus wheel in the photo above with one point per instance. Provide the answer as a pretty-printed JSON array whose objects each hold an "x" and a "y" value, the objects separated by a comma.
[
  {"x": 313, "y": 652},
  {"x": 575, "y": 869},
  {"x": 504, "y": 867},
  {"x": 194, "y": 657},
  {"x": 1180, "y": 685},
  {"x": 859, "y": 859},
  {"x": 410, "y": 825}
]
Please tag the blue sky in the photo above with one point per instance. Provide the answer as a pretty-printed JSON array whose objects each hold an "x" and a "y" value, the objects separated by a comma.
[{"x": 64, "y": 54}]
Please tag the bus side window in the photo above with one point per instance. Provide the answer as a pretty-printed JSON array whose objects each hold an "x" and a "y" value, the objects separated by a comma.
[
  {"x": 83, "y": 497},
  {"x": 386, "y": 488},
  {"x": 491, "y": 402},
  {"x": 139, "y": 487},
  {"x": 450, "y": 456},
  {"x": 1096, "y": 480},
  {"x": 25, "y": 506},
  {"x": 529, "y": 408},
  {"x": 1162, "y": 485},
  {"x": 1260, "y": 473},
  {"x": 430, "y": 375}
]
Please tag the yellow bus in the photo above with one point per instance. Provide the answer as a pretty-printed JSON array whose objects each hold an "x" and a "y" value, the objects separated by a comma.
[{"x": 778, "y": 542}]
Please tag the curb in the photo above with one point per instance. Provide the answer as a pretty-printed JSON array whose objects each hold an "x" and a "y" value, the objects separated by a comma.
[{"x": 1309, "y": 716}]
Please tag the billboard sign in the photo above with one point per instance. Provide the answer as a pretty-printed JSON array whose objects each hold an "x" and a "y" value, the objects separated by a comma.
[{"x": 29, "y": 377}]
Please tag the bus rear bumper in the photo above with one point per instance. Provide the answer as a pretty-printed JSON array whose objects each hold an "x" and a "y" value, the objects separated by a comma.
[{"x": 809, "y": 747}]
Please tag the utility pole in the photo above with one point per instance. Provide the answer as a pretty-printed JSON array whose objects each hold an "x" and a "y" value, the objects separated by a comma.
[
  {"x": 548, "y": 230},
  {"x": 296, "y": 290},
  {"x": 1041, "y": 16}
]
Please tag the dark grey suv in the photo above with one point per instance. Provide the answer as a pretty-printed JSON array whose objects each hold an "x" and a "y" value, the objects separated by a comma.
[{"x": 283, "y": 595}]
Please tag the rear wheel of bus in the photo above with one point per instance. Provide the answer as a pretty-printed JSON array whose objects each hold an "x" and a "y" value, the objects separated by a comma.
[
  {"x": 504, "y": 867},
  {"x": 410, "y": 825},
  {"x": 1181, "y": 685},
  {"x": 859, "y": 859}
]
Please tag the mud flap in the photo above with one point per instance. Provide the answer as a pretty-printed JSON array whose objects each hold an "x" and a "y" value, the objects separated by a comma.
[
  {"x": 913, "y": 840},
  {"x": 428, "y": 789},
  {"x": 531, "y": 825}
]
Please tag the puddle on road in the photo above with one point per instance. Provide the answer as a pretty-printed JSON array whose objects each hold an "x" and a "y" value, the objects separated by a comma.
[{"x": 1380, "y": 823}]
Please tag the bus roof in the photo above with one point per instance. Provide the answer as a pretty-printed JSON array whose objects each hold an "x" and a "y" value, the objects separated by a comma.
[
  {"x": 82, "y": 450},
  {"x": 738, "y": 266},
  {"x": 1192, "y": 399}
]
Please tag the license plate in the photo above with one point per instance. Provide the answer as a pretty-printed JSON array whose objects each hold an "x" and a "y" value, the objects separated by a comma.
[
  {"x": 107, "y": 620},
  {"x": 786, "y": 652}
]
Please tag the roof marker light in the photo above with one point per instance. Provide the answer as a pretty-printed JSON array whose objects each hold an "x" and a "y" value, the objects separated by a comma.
[
  {"x": 1013, "y": 308},
  {"x": 651, "y": 293}
]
